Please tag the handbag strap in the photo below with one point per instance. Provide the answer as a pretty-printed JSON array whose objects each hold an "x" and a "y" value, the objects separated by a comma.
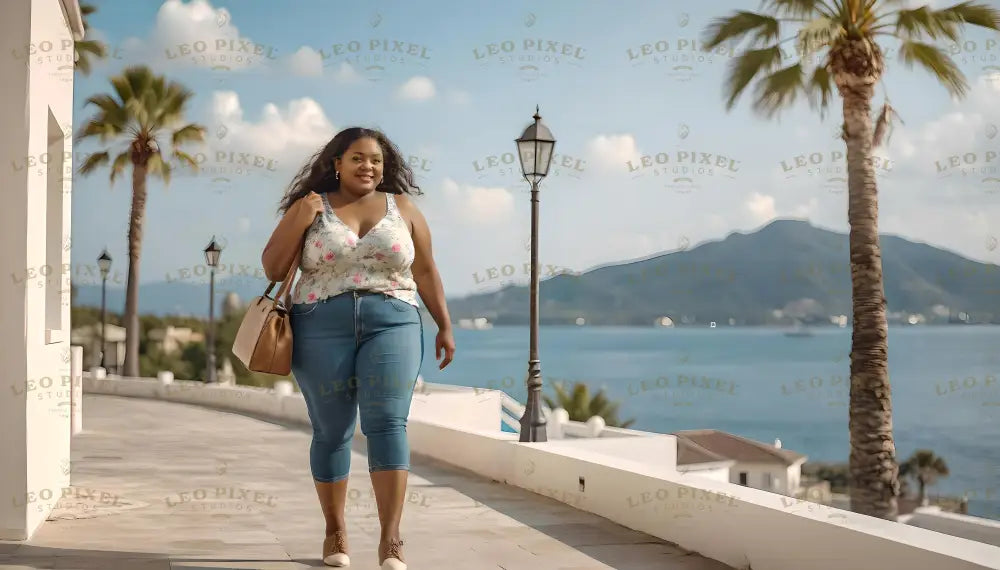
[{"x": 286, "y": 285}]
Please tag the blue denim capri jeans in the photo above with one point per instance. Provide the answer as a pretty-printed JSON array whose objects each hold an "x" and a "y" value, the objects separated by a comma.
[{"x": 357, "y": 353}]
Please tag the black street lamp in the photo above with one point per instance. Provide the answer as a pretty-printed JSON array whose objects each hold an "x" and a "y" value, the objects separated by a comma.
[
  {"x": 104, "y": 263},
  {"x": 212, "y": 254},
  {"x": 535, "y": 151}
]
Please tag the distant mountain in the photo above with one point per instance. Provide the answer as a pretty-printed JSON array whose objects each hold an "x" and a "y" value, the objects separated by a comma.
[
  {"x": 787, "y": 270},
  {"x": 180, "y": 298},
  {"x": 788, "y": 266}
]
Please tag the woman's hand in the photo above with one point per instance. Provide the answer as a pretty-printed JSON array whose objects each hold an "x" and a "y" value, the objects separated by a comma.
[
  {"x": 312, "y": 205},
  {"x": 445, "y": 341}
]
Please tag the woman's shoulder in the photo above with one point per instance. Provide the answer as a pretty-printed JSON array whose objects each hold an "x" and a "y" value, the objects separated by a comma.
[{"x": 404, "y": 202}]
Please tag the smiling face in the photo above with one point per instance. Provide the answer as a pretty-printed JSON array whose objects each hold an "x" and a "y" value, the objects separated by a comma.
[{"x": 361, "y": 166}]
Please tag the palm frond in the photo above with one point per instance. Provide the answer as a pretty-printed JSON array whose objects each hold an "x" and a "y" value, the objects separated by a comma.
[
  {"x": 158, "y": 167},
  {"x": 108, "y": 105},
  {"x": 601, "y": 406},
  {"x": 186, "y": 159},
  {"x": 817, "y": 35},
  {"x": 118, "y": 166},
  {"x": 923, "y": 21},
  {"x": 883, "y": 123},
  {"x": 93, "y": 161},
  {"x": 100, "y": 129},
  {"x": 779, "y": 90},
  {"x": 972, "y": 13},
  {"x": 800, "y": 8},
  {"x": 819, "y": 89},
  {"x": 918, "y": 23},
  {"x": 580, "y": 398},
  {"x": 745, "y": 67},
  {"x": 737, "y": 26},
  {"x": 85, "y": 50},
  {"x": 937, "y": 62},
  {"x": 188, "y": 133}
]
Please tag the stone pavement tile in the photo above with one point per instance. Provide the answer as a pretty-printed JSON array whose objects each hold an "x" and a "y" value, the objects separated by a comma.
[
  {"x": 662, "y": 556},
  {"x": 575, "y": 534},
  {"x": 33, "y": 552},
  {"x": 455, "y": 520},
  {"x": 507, "y": 555},
  {"x": 240, "y": 565},
  {"x": 86, "y": 563}
]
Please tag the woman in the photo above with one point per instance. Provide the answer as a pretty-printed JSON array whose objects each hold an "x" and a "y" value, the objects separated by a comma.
[{"x": 357, "y": 333}]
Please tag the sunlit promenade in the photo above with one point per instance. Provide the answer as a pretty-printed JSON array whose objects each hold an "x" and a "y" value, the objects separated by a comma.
[{"x": 160, "y": 485}]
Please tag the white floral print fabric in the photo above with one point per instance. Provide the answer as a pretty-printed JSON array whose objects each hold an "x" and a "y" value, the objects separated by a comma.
[{"x": 336, "y": 260}]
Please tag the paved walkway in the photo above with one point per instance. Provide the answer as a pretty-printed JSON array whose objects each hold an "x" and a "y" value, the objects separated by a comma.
[{"x": 166, "y": 486}]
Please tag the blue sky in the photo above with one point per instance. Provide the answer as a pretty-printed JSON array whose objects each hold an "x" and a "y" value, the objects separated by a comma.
[{"x": 450, "y": 106}]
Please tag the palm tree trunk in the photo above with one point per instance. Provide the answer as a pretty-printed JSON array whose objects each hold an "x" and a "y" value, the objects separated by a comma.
[
  {"x": 923, "y": 492},
  {"x": 136, "y": 219},
  {"x": 874, "y": 471}
]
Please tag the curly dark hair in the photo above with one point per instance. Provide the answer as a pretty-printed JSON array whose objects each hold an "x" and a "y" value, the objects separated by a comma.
[{"x": 318, "y": 173}]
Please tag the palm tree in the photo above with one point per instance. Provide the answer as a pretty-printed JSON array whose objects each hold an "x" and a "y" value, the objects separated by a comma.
[
  {"x": 842, "y": 36},
  {"x": 924, "y": 467},
  {"x": 85, "y": 49},
  {"x": 581, "y": 407},
  {"x": 144, "y": 109}
]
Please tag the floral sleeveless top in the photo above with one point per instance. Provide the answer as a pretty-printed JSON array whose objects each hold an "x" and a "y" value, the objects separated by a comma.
[{"x": 336, "y": 260}]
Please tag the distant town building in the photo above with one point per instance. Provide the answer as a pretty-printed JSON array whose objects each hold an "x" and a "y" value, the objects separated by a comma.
[
  {"x": 89, "y": 337},
  {"x": 232, "y": 305},
  {"x": 172, "y": 339},
  {"x": 718, "y": 454}
]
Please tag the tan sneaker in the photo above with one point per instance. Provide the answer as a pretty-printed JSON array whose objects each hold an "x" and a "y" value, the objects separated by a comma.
[
  {"x": 394, "y": 556},
  {"x": 335, "y": 550}
]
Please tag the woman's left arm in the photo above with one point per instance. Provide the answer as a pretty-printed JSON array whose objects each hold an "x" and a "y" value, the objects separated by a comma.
[{"x": 425, "y": 272}]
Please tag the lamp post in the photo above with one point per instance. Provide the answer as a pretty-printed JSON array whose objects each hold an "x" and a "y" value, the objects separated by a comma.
[
  {"x": 212, "y": 254},
  {"x": 104, "y": 263},
  {"x": 535, "y": 151}
]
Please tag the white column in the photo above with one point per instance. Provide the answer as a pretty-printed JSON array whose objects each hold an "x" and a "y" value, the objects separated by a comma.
[
  {"x": 36, "y": 112},
  {"x": 76, "y": 392},
  {"x": 15, "y": 29}
]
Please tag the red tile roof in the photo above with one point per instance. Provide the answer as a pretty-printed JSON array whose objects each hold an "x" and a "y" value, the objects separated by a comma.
[{"x": 720, "y": 446}]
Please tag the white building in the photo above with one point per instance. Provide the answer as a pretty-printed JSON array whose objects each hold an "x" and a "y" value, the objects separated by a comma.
[
  {"x": 734, "y": 459},
  {"x": 36, "y": 106}
]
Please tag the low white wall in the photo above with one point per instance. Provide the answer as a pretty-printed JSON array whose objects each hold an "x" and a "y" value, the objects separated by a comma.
[
  {"x": 464, "y": 410},
  {"x": 729, "y": 523},
  {"x": 975, "y": 528},
  {"x": 473, "y": 411}
]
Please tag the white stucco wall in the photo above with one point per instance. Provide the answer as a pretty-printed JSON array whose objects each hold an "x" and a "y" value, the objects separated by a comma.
[
  {"x": 714, "y": 471},
  {"x": 784, "y": 480},
  {"x": 36, "y": 104}
]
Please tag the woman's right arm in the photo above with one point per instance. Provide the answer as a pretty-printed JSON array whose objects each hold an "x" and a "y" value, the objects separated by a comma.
[{"x": 287, "y": 239}]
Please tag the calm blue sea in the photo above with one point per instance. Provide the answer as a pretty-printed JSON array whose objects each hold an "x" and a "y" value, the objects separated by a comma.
[{"x": 764, "y": 385}]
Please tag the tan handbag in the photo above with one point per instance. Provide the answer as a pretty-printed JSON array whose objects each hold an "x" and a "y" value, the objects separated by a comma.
[{"x": 264, "y": 341}]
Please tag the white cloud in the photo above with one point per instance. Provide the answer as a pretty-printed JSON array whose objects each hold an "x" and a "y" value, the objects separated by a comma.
[
  {"x": 761, "y": 207},
  {"x": 808, "y": 210},
  {"x": 611, "y": 152},
  {"x": 478, "y": 205},
  {"x": 345, "y": 73},
  {"x": 196, "y": 34},
  {"x": 417, "y": 88},
  {"x": 973, "y": 119},
  {"x": 243, "y": 224},
  {"x": 287, "y": 135},
  {"x": 306, "y": 62}
]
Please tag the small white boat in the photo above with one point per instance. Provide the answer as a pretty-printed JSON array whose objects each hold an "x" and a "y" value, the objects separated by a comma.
[
  {"x": 799, "y": 332},
  {"x": 477, "y": 324}
]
